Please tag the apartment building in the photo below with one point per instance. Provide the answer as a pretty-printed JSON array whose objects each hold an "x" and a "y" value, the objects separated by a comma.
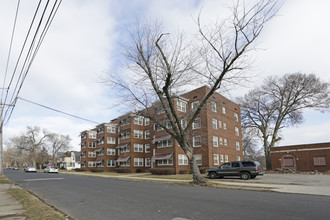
[{"x": 132, "y": 143}]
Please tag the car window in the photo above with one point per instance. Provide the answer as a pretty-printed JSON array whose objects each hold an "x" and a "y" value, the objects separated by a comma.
[
  {"x": 248, "y": 164},
  {"x": 225, "y": 165},
  {"x": 235, "y": 164}
]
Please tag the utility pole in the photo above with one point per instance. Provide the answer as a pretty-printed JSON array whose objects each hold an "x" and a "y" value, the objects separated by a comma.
[{"x": 1, "y": 142}]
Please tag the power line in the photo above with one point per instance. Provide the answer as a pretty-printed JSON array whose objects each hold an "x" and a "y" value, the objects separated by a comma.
[{"x": 50, "y": 108}]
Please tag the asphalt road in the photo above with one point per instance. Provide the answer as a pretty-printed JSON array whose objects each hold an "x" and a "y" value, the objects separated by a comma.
[{"x": 104, "y": 198}]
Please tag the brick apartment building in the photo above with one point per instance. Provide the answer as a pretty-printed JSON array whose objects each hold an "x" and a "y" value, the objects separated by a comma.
[
  {"x": 132, "y": 143},
  {"x": 305, "y": 157}
]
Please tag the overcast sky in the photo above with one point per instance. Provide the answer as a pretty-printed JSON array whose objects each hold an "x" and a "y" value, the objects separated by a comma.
[{"x": 83, "y": 42}]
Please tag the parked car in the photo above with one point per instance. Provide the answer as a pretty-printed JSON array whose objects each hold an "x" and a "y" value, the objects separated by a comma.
[
  {"x": 244, "y": 169},
  {"x": 30, "y": 169},
  {"x": 50, "y": 169}
]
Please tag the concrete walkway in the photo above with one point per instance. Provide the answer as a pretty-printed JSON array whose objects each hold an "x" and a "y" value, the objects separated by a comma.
[{"x": 10, "y": 209}]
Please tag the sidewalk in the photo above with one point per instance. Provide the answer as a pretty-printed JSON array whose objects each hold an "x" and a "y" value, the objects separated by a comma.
[{"x": 10, "y": 209}]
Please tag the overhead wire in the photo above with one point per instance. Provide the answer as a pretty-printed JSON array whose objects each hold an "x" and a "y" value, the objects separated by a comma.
[
  {"x": 32, "y": 53},
  {"x": 59, "y": 111}
]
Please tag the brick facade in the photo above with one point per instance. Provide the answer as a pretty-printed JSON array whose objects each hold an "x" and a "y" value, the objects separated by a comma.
[
  {"x": 140, "y": 145},
  {"x": 305, "y": 157}
]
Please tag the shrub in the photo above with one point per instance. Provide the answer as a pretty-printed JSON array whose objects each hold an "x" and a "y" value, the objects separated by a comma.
[
  {"x": 123, "y": 170},
  {"x": 162, "y": 171},
  {"x": 96, "y": 170},
  {"x": 139, "y": 170},
  {"x": 183, "y": 172}
]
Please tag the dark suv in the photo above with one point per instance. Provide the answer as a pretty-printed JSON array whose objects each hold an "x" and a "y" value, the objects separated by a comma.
[{"x": 244, "y": 169}]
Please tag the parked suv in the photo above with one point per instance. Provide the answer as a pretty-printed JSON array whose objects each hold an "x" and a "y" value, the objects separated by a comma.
[{"x": 244, "y": 169}]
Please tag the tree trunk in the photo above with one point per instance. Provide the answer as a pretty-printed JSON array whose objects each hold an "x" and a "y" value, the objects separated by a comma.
[
  {"x": 198, "y": 179},
  {"x": 268, "y": 158}
]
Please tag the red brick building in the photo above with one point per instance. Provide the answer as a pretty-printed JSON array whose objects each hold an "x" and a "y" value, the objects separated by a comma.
[
  {"x": 132, "y": 143},
  {"x": 305, "y": 157}
]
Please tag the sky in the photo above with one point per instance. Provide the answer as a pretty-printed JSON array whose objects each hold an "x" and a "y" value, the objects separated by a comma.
[{"x": 84, "y": 42}]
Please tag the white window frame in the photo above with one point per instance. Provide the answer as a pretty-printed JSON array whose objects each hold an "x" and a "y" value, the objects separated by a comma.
[
  {"x": 198, "y": 158},
  {"x": 197, "y": 141},
  {"x": 216, "y": 159},
  {"x": 146, "y": 121},
  {"x": 226, "y": 158},
  {"x": 165, "y": 143},
  {"x": 147, "y": 134},
  {"x": 91, "y": 145},
  {"x": 147, "y": 148},
  {"x": 111, "y": 151},
  {"x": 138, "y": 147},
  {"x": 221, "y": 158},
  {"x": 138, "y": 162},
  {"x": 223, "y": 108},
  {"x": 215, "y": 141},
  {"x": 138, "y": 120},
  {"x": 182, "y": 159},
  {"x": 194, "y": 105},
  {"x": 181, "y": 105},
  {"x": 91, "y": 154},
  {"x": 196, "y": 124},
  {"x": 220, "y": 140},
  {"x": 236, "y": 131},
  {"x": 236, "y": 116},
  {"x": 213, "y": 106},
  {"x": 138, "y": 134},
  {"x": 111, "y": 140},
  {"x": 214, "y": 123},
  {"x": 111, "y": 129},
  {"x": 238, "y": 146},
  {"x": 147, "y": 162},
  {"x": 91, "y": 164},
  {"x": 225, "y": 141},
  {"x": 238, "y": 158},
  {"x": 111, "y": 163},
  {"x": 166, "y": 162},
  {"x": 225, "y": 126}
]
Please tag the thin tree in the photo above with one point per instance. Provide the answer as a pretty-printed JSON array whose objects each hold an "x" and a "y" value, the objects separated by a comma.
[
  {"x": 160, "y": 65},
  {"x": 280, "y": 103}
]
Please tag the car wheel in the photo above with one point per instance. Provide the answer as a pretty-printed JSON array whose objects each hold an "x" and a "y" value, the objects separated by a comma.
[
  {"x": 245, "y": 176},
  {"x": 212, "y": 175}
]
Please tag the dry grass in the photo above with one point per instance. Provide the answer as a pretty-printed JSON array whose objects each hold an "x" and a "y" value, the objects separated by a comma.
[
  {"x": 5, "y": 180},
  {"x": 35, "y": 209}
]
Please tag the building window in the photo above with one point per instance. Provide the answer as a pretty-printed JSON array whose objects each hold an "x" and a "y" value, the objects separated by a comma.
[
  {"x": 236, "y": 131},
  {"x": 138, "y": 120},
  {"x": 194, "y": 105},
  {"x": 100, "y": 130},
  {"x": 226, "y": 158},
  {"x": 125, "y": 135},
  {"x": 319, "y": 161},
  {"x": 111, "y": 129},
  {"x": 221, "y": 140},
  {"x": 125, "y": 121},
  {"x": 146, "y": 121},
  {"x": 147, "y": 162},
  {"x": 198, "y": 158},
  {"x": 214, "y": 123},
  {"x": 138, "y": 162},
  {"x": 125, "y": 149},
  {"x": 147, "y": 134},
  {"x": 183, "y": 159},
  {"x": 197, "y": 141},
  {"x": 125, "y": 164},
  {"x": 91, "y": 154},
  {"x": 91, "y": 145},
  {"x": 138, "y": 147},
  {"x": 236, "y": 116},
  {"x": 215, "y": 159},
  {"x": 223, "y": 110},
  {"x": 92, "y": 135},
  {"x": 111, "y": 163},
  {"x": 225, "y": 126},
  {"x": 91, "y": 164},
  {"x": 213, "y": 106},
  {"x": 238, "y": 158},
  {"x": 138, "y": 134},
  {"x": 165, "y": 162},
  {"x": 147, "y": 148},
  {"x": 165, "y": 143},
  {"x": 111, "y": 140},
  {"x": 221, "y": 158},
  {"x": 83, "y": 154},
  {"x": 83, "y": 145},
  {"x": 181, "y": 106},
  {"x": 237, "y": 146},
  {"x": 196, "y": 124},
  {"x": 83, "y": 135},
  {"x": 160, "y": 110},
  {"x": 225, "y": 141},
  {"x": 220, "y": 124},
  {"x": 111, "y": 151},
  {"x": 215, "y": 141},
  {"x": 100, "y": 140},
  {"x": 183, "y": 123}
]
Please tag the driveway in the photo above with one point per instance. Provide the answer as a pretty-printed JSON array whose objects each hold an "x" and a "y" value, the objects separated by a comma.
[{"x": 288, "y": 183}]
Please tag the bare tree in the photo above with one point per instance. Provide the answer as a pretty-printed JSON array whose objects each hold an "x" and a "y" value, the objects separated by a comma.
[
  {"x": 279, "y": 103},
  {"x": 32, "y": 141},
  {"x": 160, "y": 65},
  {"x": 58, "y": 143}
]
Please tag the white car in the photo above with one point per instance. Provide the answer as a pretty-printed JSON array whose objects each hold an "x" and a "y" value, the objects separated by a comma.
[
  {"x": 30, "y": 169},
  {"x": 50, "y": 169}
]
